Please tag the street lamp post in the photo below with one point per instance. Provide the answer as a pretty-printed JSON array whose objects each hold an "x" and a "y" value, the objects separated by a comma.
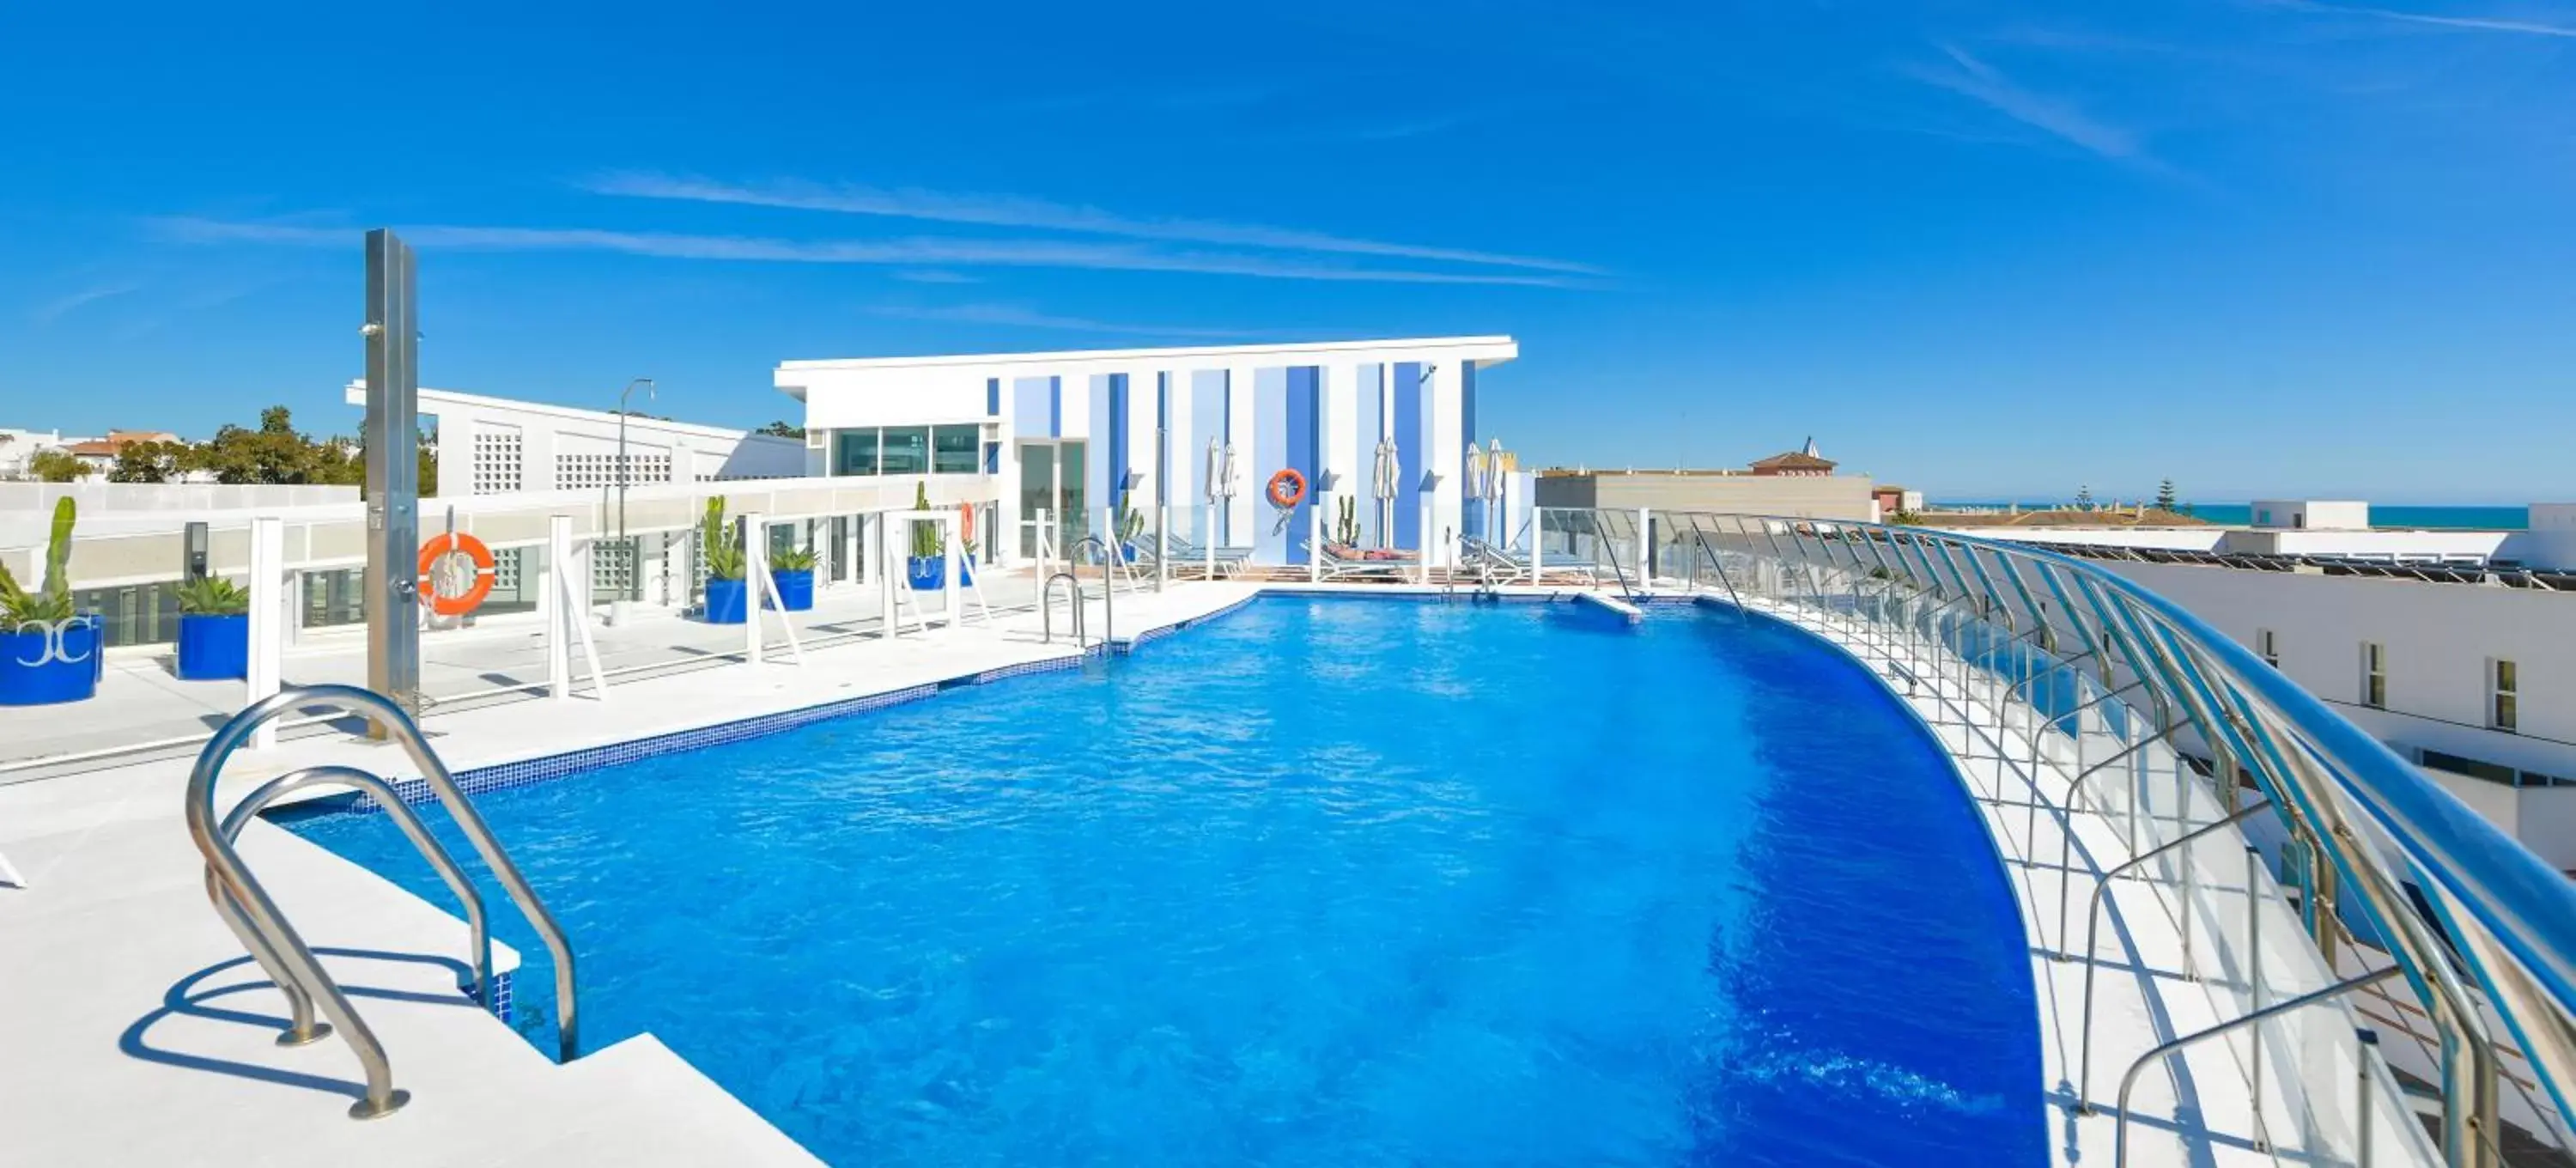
[{"x": 617, "y": 607}]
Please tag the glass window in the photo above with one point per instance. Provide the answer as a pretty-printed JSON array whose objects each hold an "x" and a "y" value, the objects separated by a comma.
[
  {"x": 854, "y": 452},
  {"x": 2503, "y": 689},
  {"x": 906, "y": 451},
  {"x": 2374, "y": 675},
  {"x": 2268, "y": 647},
  {"x": 953, "y": 449}
]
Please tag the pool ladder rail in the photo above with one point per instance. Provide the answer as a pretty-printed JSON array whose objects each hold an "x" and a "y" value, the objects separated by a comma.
[
  {"x": 1073, "y": 591},
  {"x": 247, "y": 910}
]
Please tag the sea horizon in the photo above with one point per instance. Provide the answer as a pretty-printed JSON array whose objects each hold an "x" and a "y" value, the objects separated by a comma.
[{"x": 2429, "y": 516}]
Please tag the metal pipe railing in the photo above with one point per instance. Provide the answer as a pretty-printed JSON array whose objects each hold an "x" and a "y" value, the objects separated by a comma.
[
  {"x": 260, "y": 915},
  {"x": 1046, "y": 607},
  {"x": 2496, "y": 928},
  {"x": 2129, "y": 1080},
  {"x": 1108, "y": 584}
]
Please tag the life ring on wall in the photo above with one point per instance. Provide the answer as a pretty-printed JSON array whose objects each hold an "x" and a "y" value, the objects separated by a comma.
[
  {"x": 1287, "y": 488},
  {"x": 965, "y": 524},
  {"x": 440, "y": 547}
]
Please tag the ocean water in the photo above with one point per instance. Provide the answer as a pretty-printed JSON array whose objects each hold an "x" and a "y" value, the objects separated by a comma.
[
  {"x": 2398, "y": 515},
  {"x": 1326, "y": 882}
]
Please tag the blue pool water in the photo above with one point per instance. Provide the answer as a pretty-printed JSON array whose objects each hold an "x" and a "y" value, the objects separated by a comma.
[{"x": 1325, "y": 882}]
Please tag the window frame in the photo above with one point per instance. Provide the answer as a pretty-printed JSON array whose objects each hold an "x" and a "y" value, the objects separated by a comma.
[
  {"x": 2504, "y": 695},
  {"x": 2374, "y": 675}
]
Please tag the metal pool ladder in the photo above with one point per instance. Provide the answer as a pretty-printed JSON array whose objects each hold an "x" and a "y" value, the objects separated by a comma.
[
  {"x": 246, "y": 908},
  {"x": 1046, "y": 607}
]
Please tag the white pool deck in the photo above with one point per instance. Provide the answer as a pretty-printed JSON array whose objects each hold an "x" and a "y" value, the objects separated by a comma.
[{"x": 133, "y": 1030}]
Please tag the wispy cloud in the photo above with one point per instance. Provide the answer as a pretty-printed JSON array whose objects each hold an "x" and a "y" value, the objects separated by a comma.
[
  {"x": 1013, "y": 317},
  {"x": 1045, "y": 215},
  {"x": 54, "y": 310},
  {"x": 936, "y": 276},
  {"x": 1969, "y": 77},
  {"x": 907, "y": 253},
  {"x": 2473, "y": 23}
]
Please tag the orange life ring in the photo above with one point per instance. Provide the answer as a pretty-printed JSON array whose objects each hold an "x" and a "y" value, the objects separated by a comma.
[
  {"x": 439, "y": 547},
  {"x": 965, "y": 523},
  {"x": 1287, "y": 488}
]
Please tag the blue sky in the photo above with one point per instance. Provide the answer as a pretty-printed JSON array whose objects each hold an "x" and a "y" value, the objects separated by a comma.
[{"x": 2261, "y": 246}]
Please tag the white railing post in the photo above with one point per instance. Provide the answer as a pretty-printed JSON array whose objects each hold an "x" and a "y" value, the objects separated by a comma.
[
  {"x": 1645, "y": 549},
  {"x": 556, "y": 601},
  {"x": 952, "y": 565},
  {"x": 755, "y": 566},
  {"x": 1315, "y": 543},
  {"x": 1538, "y": 543},
  {"x": 1422, "y": 555},
  {"x": 1207, "y": 542},
  {"x": 268, "y": 620},
  {"x": 888, "y": 575}
]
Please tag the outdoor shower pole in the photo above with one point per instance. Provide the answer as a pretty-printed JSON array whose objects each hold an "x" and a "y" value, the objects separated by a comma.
[
  {"x": 390, "y": 436},
  {"x": 633, "y": 573}
]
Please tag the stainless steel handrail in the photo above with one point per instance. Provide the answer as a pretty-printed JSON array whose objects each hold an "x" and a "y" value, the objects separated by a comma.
[
  {"x": 479, "y": 952},
  {"x": 292, "y": 957},
  {"x": 2120, "y": 1124},
  {"x": 1046, "y": 607},
  {"x": 1108, "y": 584},
  {"x": 2497, "y": 928}
]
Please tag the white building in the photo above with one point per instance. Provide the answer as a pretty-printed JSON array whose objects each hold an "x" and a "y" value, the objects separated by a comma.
[
  {"x": 2313, "y": 514},
  {"x": 1072, "y": 434},
  {"x": 18, "y": 447},
  {"x": 496, "y": 446}
]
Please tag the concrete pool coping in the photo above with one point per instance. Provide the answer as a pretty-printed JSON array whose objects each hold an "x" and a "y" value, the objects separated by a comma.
[{"x": 129, "y": 1061}]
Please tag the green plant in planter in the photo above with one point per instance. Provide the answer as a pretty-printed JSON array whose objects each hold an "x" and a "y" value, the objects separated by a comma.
[
  {"x": 213, "y": 596},
  {"x": 1346, "y": 530},
  {"x": 53, "y": 601},
  {"x": 724, "y": 551},
  {"x": 1130, "y": 521},
  {"x": 791, "y": 560},
  {"x": 925, "y": 535}
]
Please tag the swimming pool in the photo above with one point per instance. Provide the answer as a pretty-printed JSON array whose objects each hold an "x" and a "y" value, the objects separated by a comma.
[{"x": 1324, "y": 882}]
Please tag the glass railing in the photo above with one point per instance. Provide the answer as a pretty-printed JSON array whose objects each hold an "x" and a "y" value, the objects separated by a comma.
[{"x": 2295, "y": 856}]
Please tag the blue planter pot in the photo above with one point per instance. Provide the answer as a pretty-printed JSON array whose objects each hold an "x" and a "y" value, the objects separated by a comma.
[
  {"x": 795, "y": 588},
  {"x": 725, "y": 602},
  {"x": 214, "y": 647},
  {"x": 930, "y": 573},
  {"x": 59, "y": 662}
]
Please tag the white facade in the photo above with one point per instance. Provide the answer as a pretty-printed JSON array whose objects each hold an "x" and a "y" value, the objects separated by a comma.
[
  {"x": 1075, "y": 434},
  {"x": 17, "y": 447},
  {"x": 496, "y": 446},
  {"x": 2313, "y": 514},
  {"x": 2438, "y": 648}
]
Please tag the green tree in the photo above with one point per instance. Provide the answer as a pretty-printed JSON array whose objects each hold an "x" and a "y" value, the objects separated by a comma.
[
  {"x": 148, "y": 462},
  {"x": 781, "y": 430},
  {"x": 2165, "y": 496},
  {"x": 2084, "y": 498},
  {"x": 58, "y": 466}
]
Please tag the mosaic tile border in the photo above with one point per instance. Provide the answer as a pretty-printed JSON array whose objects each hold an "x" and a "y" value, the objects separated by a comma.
[
  {"x": 505, "y": 998},
  {"x": 1128, "y": 646},
  {"x": 556, "y": 766}
]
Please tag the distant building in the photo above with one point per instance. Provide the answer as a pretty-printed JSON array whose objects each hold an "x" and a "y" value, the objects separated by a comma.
[
  {"x": 1798, "y": 483},
  {"x": 17, "y": 447},
  {"x": 1893, "y": 499},
  {"x": 100, "y": 453},
  {"x": 1802, "y": 463},
  {"x": 2312, "y": 514},
  {"x": 497, "y": 446}
]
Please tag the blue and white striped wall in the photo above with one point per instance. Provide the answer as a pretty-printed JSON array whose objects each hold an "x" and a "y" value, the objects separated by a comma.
[{"x": 1149, "y": 414}]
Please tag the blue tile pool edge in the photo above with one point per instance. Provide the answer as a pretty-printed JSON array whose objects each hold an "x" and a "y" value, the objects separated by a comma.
[{"x": 546, "y": 768}]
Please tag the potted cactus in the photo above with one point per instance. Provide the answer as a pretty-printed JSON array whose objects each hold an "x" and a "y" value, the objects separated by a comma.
[
  {"x": 214, "y": 630},
  {"x": 793, "y": 572},
  {"x": 724, "y": 566},
  {"x": 1346, "y": 527},
  {"x": 1130, "y": 523},
  {"x": 927, "y": 567},
  {"x": 49, "y": 652}
]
